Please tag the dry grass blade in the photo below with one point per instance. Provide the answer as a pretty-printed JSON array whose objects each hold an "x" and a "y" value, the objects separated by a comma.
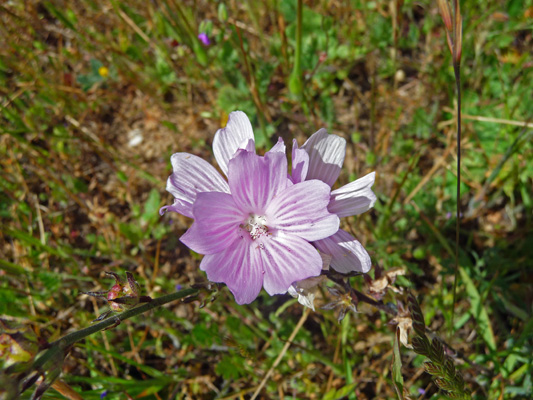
[{"x": 278, "y": 359}]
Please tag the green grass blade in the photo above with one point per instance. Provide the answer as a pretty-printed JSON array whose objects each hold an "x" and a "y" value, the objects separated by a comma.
[
  {"x": 479, "y": 311},
  {"x": 397, "y": 378}
]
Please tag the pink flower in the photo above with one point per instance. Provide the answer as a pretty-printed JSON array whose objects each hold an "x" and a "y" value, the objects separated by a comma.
[
  {"x": 305, "y": 290},
  {"x": 321, "y": 157},
  {"x": 255, "y": 229}
]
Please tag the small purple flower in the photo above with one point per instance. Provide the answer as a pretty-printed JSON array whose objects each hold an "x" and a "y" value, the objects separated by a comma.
[
  {"x": 255, "y": 229},
  {"x": 450, "y": 215},
  {"x": 204, "y": 38},
  {"x": 104, "y": 394}
]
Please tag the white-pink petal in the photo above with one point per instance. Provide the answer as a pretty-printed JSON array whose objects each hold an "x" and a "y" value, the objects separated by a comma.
[
  {"x": 192, "y": 175},
  {"x": 326, "y": 156},
  {"x": 234, "y": 136},
  {"x": 279, "y": 146},
  {"x": 195, "y": 238},
  {"x": 240, "y": 267},
  {"x": 287, "y": 259},
  {"x": 300, "y": 163},
  {"x": 305, "y": 297},
  {"x": 255, "y": 180},
  {"x": 216, "y": 223},
  {"x": 176, "y": 207},
  {"x": 300, "y": 210},
  {"x": 248, "y": 145},
  {"x": 347, "y": 254},
  {"x": 354, "y": 198}
]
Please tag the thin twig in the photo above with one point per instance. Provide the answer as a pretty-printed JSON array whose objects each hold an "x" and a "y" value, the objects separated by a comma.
[
  {"x": 441, "y": 161},
  {"x": 282, "y": 353},
  {"x": 263, "y": 111},
  {"x": 480, "y": 118}
]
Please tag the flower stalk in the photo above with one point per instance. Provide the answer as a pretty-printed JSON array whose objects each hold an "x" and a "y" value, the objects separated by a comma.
[
  {"x": 56, "y": 351},
  {"x": 295, "y": 80},
  {"x": 74, "y": 337},
  {"x": 453, "y": 23}
]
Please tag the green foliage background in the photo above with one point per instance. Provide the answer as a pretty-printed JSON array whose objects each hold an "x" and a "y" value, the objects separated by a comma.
[{"x": 82, "y": 82}]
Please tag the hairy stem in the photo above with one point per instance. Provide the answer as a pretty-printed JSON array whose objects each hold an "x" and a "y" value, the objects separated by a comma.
[{"x": 62, "y": 344}]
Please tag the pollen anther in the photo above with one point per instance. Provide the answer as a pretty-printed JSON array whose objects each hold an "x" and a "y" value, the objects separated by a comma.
[{"x": 256, "y": 226}]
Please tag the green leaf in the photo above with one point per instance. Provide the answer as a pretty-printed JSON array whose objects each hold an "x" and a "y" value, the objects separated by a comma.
[
  {"x": 65, "y": 19},
  {"x": 51, "y": 281},
  {"x": 95, "y": 66},
  {"x": 345, "y": 391},
  {"x": 151, "y": 207},
  {"x": 203, "y": 335},
  {"x": 479, "y": 311},
  {"x": 36, "y": 243},
  {"x": 199, "y": 51},
  {"x": 163, "y": 70},
  {"x": 341, "y": 393},
  {"x": 397, "y": 378},
  {"x": 170, "y": 125},
  {"x": 88, "y": 81},
  {"x": 11, "y": 268},
  {"x": 132, "y": 232},
  {"x": 511, "y": 360},
  {"x": 230, "y": 368},
  {"x": 122, "y": 177}
]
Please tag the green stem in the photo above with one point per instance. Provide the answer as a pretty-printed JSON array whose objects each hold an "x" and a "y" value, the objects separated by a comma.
[
  {"x": 298, "y": 55},
  {"x": 62, "y": 344},
  {"x": 457, "y": 71},
  {"x": 295, "y": 81}
]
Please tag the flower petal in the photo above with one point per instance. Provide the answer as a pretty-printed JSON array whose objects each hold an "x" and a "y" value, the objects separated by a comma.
[
  {"x": 177, "y": 207},
  {"x": 300, "y": 163},
  {"x": 248, "y": 145},
  {"x": 279, "y": 146},
  {"x": 326, "y": 156},
  {"x": 287, "y": 259},
  {"x": 305, "y": 298},
  {"x": 347, "y": 254},
  {"x": 255, "y": 180},
  {"x": 191, "y": 176},
  {"x": 239, "y": 267},
  {"x": 216, "y": 223},
  {"x": 234, "y": 136},
  {"x": 354, "y": 198},
  {"x": 301, "y": 210}
]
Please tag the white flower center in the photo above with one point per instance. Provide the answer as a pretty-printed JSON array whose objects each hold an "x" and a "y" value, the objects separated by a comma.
[{"x": 256, "y": 226}]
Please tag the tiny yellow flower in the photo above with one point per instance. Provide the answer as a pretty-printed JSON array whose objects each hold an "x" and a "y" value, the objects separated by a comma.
[{"x": 103, "y": 71}]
